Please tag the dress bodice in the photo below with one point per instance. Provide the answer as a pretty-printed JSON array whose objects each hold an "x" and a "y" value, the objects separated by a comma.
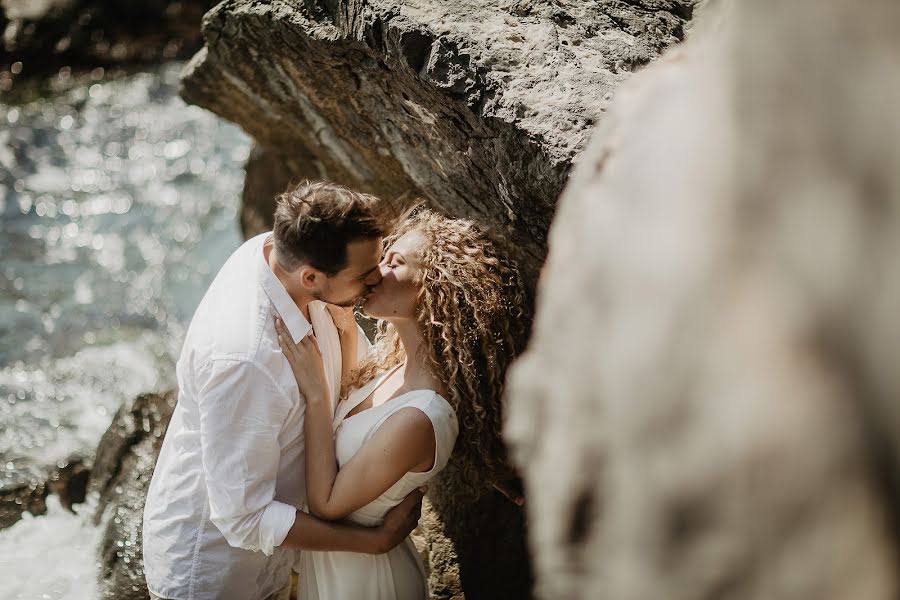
[{"x": 351, "y": 432}]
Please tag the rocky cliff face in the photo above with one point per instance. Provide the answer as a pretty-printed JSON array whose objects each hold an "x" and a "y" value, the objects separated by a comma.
[
  {"x": 479, "y": 106},
  {"x": 482, "y": 107},
  {"x": 708, "y": 408}
]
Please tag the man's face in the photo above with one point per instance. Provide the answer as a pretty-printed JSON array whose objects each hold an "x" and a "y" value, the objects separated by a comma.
[{"x": 350, "y": 284}]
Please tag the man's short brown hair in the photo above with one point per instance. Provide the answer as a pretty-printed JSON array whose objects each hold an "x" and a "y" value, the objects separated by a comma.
[{"x": 315, "y": 220}]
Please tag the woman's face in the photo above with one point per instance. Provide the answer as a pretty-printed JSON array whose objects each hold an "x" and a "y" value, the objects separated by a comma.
[{"x": 395, "y": 296}]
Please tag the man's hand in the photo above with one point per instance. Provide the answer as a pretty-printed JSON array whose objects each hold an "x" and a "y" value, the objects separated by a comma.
[{"x": 400, "y": 520}]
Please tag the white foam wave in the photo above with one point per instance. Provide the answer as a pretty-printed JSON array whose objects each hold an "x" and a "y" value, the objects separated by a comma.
[
  {"x": 70, "y": 400},
  {"x": 52, "y": 557}
]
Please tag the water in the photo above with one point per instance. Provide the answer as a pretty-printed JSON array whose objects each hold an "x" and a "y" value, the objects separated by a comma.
[
  {"x": 50, "y": 556},
  {"x": 118, "y": 204}
]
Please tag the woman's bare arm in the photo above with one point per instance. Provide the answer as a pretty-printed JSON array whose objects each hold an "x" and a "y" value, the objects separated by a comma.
[
  {"x": 404, "y": 442},
  {"x": 310, "y": 533}
]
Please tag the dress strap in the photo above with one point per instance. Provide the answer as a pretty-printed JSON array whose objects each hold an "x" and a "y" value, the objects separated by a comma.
[{"x": 359, "y": 395}]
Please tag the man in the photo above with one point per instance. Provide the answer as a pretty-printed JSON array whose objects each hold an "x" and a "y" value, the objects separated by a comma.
[{"x": 221, "y": 518}]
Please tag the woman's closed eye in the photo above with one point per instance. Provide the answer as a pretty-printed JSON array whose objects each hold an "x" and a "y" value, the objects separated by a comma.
[
  {"x": 390, "y": 262},
  {"x": 394, "y": 260}
]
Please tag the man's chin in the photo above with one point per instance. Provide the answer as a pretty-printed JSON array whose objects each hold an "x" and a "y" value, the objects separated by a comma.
[
  {"x": 342, "y": 303},
  {"x": 347, "y": 303}
]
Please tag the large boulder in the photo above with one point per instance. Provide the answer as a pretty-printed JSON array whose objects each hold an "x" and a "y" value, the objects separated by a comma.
[
  {"x": 708, "y": 407},
  {"x": 479, "y": 106}
]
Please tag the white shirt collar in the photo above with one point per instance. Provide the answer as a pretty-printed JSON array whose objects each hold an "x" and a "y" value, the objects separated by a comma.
[{"x": 293, "y": 318}]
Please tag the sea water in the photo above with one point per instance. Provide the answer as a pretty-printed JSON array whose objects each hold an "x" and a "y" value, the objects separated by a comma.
[
  {"x": 118, "y": 205},
  {"x": 51, "y": 556}
]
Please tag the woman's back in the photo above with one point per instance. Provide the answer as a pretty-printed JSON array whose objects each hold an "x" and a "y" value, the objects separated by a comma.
[{"x": 398, "y": 574}]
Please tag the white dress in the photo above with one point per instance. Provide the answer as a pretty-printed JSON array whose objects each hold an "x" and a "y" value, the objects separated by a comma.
[{"x": 398, "y": 574}]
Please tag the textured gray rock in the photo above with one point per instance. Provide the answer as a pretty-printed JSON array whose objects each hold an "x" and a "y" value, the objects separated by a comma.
[
  {"x": 123, "y": 466},
  {"x": 481, "y": 107},
  {"x": 708, "y": 408}
]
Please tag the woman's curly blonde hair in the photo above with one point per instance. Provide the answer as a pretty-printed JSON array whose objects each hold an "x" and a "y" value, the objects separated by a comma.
[{"x": 474, "y": 318}]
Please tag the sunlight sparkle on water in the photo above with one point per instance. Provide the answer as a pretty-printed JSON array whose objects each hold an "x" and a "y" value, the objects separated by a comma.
[{"x": 119, "y": 204}]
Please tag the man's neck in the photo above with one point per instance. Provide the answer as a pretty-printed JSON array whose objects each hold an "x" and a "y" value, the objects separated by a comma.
[{"x": 301, "y": 299}]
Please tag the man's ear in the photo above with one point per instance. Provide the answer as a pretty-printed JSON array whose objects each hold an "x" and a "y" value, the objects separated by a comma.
[{"x": 311, "y": 278}]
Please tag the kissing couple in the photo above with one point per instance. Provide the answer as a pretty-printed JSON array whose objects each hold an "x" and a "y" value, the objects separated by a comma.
[{"x": 295, "y": 444}]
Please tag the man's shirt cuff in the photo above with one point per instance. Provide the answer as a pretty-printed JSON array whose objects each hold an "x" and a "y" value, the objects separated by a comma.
[{"x": 277, "y": 519}]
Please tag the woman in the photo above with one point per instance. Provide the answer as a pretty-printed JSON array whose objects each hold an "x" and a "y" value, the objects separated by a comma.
[{"x": 453, "y": 317}]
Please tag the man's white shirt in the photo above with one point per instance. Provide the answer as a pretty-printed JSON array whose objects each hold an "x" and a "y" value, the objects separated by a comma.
[{"x": 230, "y": 474}]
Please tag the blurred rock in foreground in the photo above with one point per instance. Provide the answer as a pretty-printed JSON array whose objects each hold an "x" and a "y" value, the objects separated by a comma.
[{"x": 709, "y": 406}]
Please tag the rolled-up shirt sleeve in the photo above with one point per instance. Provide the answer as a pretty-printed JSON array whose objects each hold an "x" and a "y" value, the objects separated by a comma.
[{"x": 241, "y": 415}]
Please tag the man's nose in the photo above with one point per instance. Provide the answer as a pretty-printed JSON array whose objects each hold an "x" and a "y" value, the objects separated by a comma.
[{"x": 374, "y": 277}]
